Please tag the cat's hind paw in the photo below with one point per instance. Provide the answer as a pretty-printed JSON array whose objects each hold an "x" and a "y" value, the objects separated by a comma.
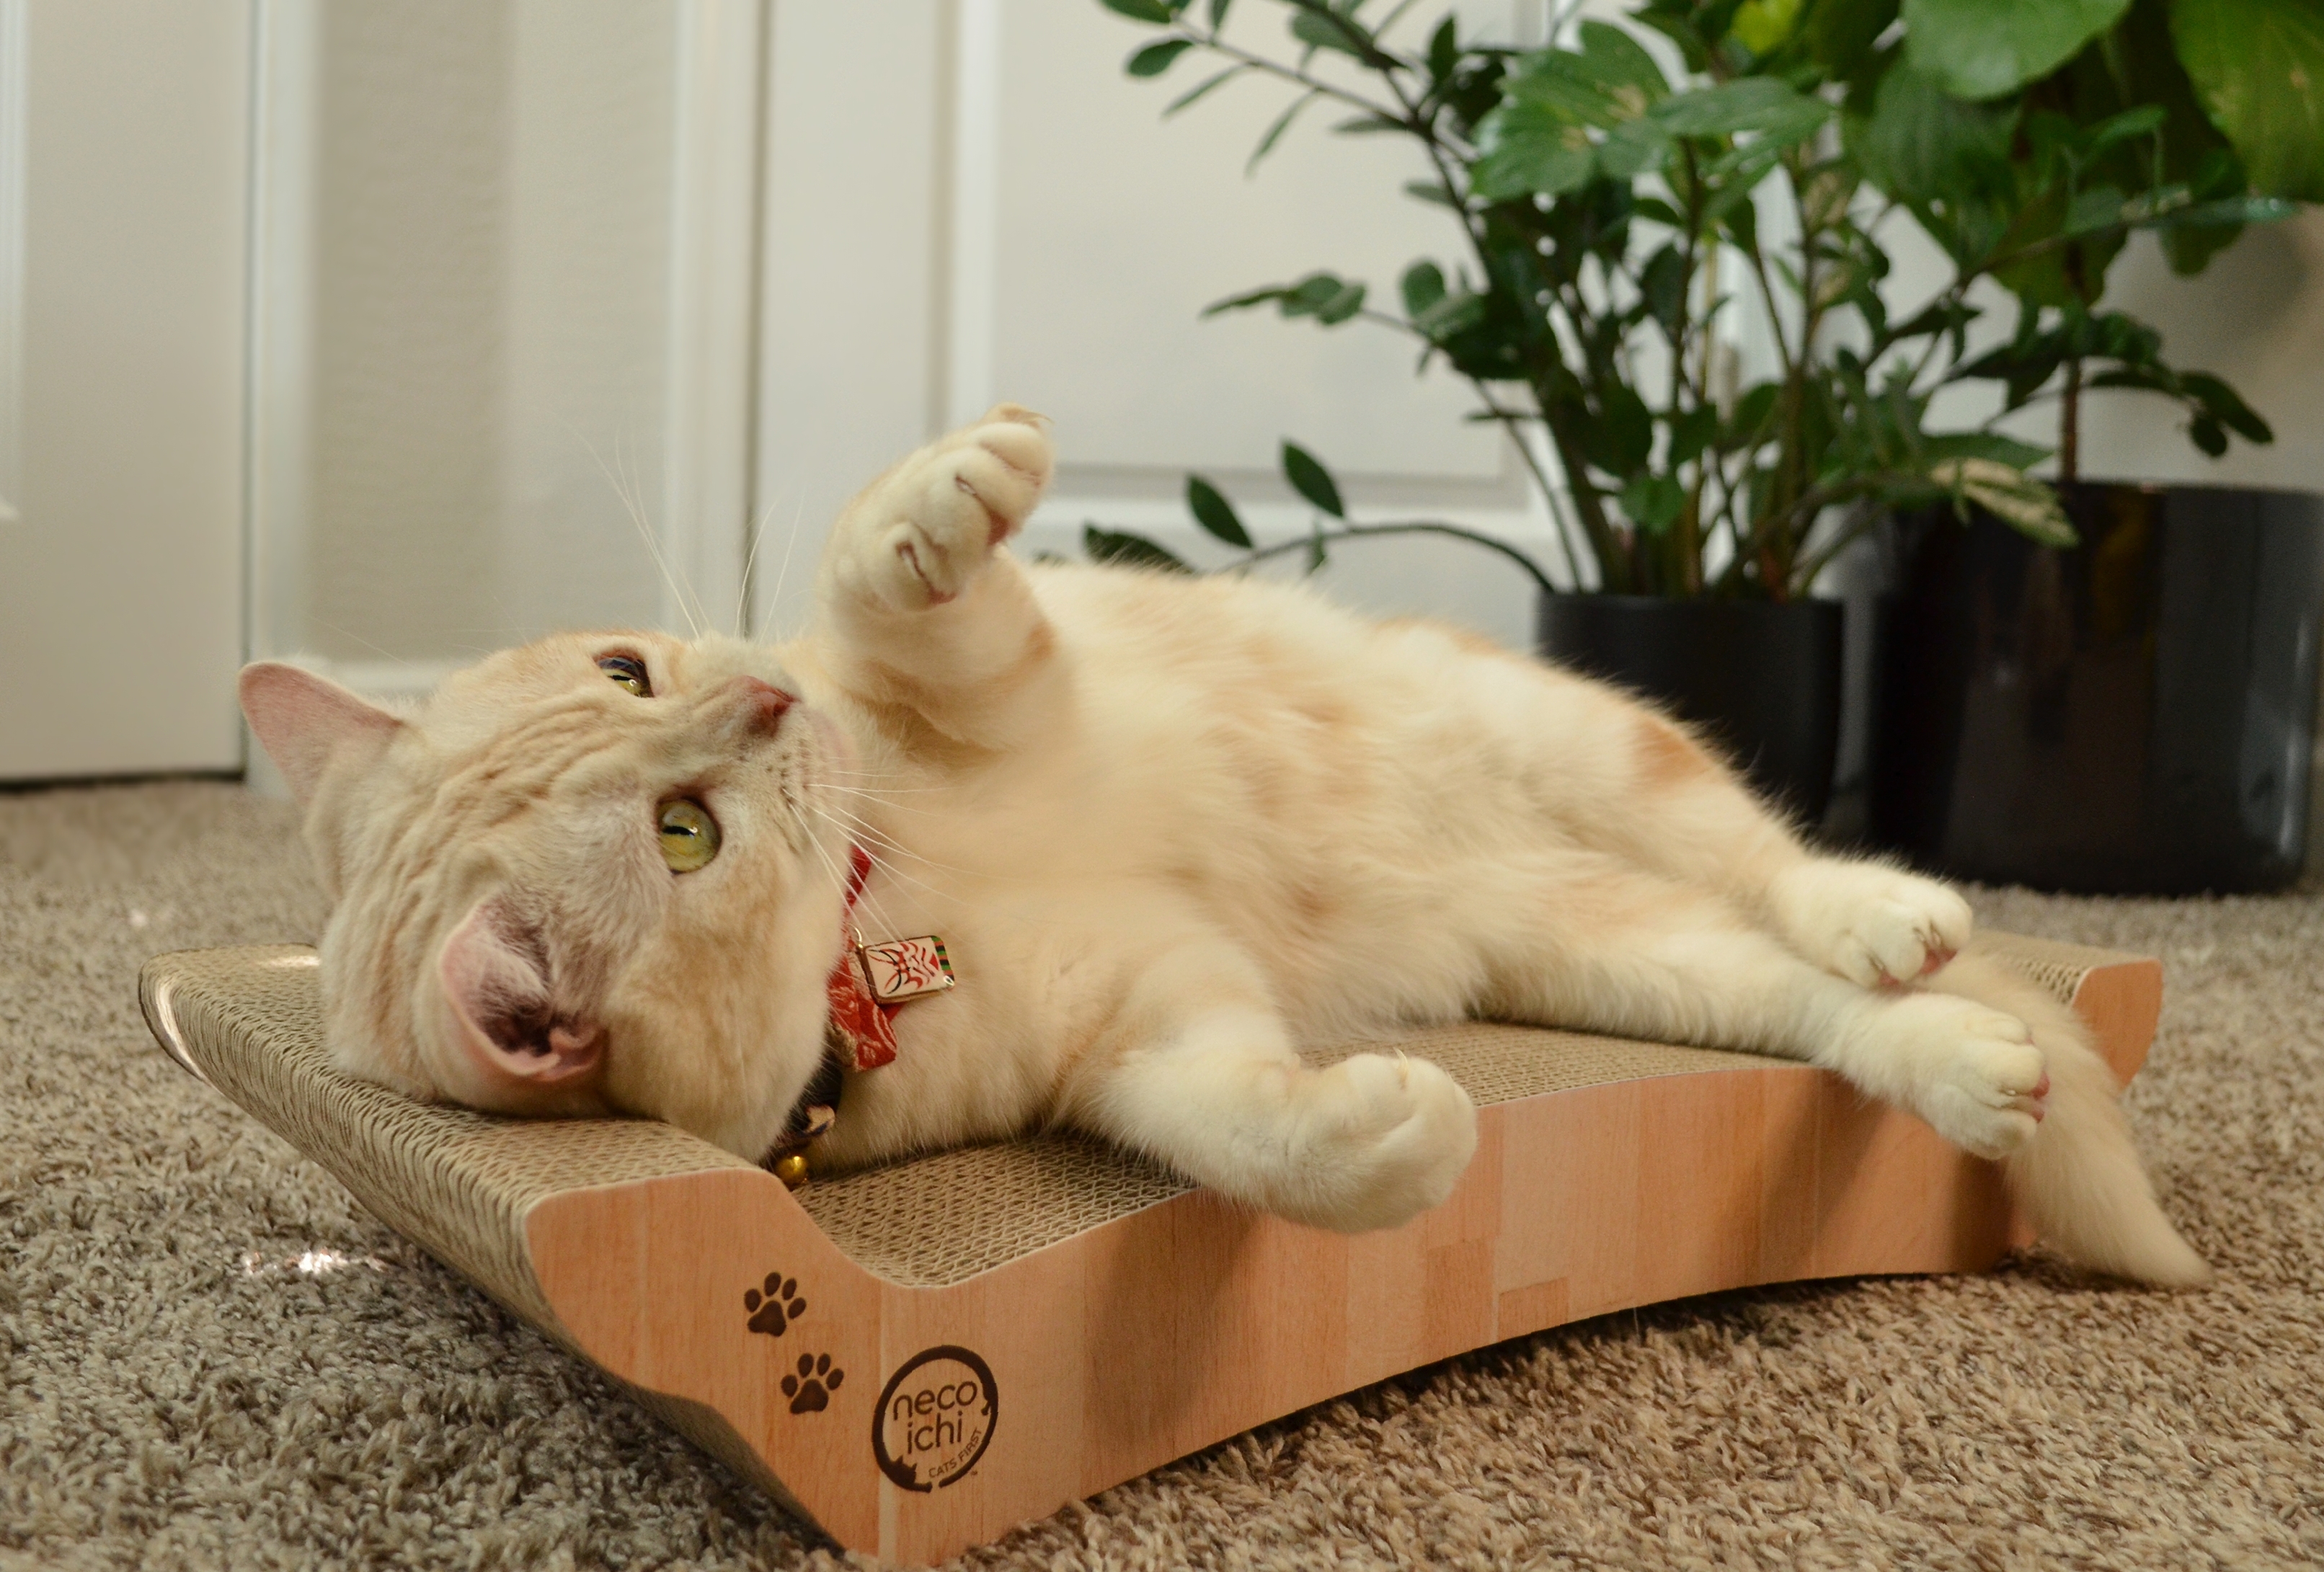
[
  {"x": 1981, "y": 1082},
  {"x": 1868, "y": 924}
]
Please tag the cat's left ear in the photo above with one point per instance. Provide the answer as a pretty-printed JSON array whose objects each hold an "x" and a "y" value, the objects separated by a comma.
[
  {"x": 513, "y": 1037},
  {"x": 307, "y": 723}
]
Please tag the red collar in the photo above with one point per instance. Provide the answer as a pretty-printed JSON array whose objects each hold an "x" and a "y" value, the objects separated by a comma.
[{"x": 860, "y": 1022}]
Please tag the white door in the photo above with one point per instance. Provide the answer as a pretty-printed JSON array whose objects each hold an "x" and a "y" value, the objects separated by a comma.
[{"x": 124, "y": 160}]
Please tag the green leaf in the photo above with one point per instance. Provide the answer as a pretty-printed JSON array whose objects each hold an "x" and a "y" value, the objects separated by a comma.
[
  {"x": 2258, "y": 67},
  {"x": 1983, "y": 48},
  {"x": 1333, "y": 29},
  {"x": 1154, "y": 11},
  {"x": 1311, "y": 479},
  {"x": 1621, "y": 61},
  {"x": 1985, "y": 445},
  {"x": 1663, "y": 284},
  {"x": 1691, "y": 433},
  {"x": 1127, "y": 550},
  {"x": 1202, "y": 87},
  {"x": 2094, "y": 207},
  {"x": 1443, "y": 51},
  {"x": 1282, "y": 124},
  {"x": 1527, "y": 149},
  {"x": 1158, "y": 58},
  {"x": 2236, "y": 210},
  {"x": 1623, "y": 436},
  {"x": 1760, "y": 103},
  {"x": 1245, "y": 301},
  {"x": 1653, "y": 503},
  {"x": 2208, "y": 436},
  {"x": 1328, "y": 297},
  {"x": 1632, "y": 149},
  {"x": 1949, "y": 161},
  {"x": 1432, "y": 192},
  {"x": 1762, "y": 26},
  {"x": 1754, "y": 414},
  {"x": 1422, "y": 285},
  {"x": 2225, "y": 405},
  {"x": 2024, "y": 503},
  {"x": 1214, "y": 513},
  {"x": 2143, "y": 121},
  {"x": 1841, "y": 33},
  {"x": 1219, "y": 14}
]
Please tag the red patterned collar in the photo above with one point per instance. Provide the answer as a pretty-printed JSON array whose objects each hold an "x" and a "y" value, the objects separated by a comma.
[
  {"x": 866, "y": 1036},
  {"x": 867, "y": 986}
]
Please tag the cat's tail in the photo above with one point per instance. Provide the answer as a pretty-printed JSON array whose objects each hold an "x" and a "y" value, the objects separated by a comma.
[{"x": 2079, "y": 1178}]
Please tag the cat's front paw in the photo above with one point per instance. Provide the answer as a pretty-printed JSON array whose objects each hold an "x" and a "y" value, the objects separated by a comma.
[
  {"x": 925, "y": 530},
  {"x": 1979, "y": 1080},
  {"x": 1385, "y": 1139},
  {"x": 1868, "y": 924}
]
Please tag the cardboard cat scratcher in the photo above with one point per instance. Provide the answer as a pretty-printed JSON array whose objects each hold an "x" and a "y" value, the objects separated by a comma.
[{"x": 920, "y": 1357}]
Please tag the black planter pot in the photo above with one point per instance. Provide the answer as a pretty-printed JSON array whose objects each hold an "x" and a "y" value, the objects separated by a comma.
[
  {"x": 1761, "y": 680},
  {"x": 2135, "y": 715}
]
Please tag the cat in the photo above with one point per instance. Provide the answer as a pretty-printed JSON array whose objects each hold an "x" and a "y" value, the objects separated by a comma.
[{"x": 1169, "y": 829}]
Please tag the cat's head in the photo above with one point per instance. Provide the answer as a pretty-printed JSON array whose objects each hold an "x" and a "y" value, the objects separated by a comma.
[{"x": 587, "y": 875}]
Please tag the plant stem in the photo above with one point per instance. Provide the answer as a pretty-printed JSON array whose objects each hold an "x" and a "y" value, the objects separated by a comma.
[
  {"x": 1212, "y": 41},
  {"x": 2070, "y": 425},
  {"x": 1509, "y": 421}
]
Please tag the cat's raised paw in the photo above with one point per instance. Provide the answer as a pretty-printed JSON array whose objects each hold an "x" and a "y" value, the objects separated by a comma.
[
  {"x": 1868, "y": 924},
  {"x": 925, "y": 530}
]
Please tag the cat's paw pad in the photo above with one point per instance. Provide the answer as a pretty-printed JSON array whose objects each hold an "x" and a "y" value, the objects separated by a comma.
[
  {"x": 939, "y": 516},
  {"x": 811, "y": 1387},
  {"x": 1871, "y": 924},
  {"x": 1388, "y": 1138},
  {"x": 774, "y": 1304},
  {"x": 1982, "y": 1082}
]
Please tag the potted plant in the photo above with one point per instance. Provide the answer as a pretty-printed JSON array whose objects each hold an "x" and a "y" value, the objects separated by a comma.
[
  {"x": 2133, "y": 711},
  {"x": 1598, "y": 204},
  {"x": 1594, "y": 197}
]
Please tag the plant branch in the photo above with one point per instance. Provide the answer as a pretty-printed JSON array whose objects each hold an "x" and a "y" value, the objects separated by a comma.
[
  {"x": 1258, "y": 62},
  {"x": 1510, "y": 420},
  {"x": 1408, "y": 527}
]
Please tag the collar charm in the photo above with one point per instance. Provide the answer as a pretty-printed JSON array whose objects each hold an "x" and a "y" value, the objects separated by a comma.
[{"x": 864, "y": 990}]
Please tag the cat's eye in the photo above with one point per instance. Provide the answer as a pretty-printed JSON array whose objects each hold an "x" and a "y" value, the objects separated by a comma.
[
  {"x": 690, "y": 836},
  {"x": 626, "y": 671}
]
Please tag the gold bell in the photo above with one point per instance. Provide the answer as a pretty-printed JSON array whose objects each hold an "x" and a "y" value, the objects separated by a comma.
[{"x": 792, "y": 1168}]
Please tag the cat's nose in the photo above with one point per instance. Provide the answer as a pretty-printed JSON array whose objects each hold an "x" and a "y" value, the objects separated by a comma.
[{"x": 763, "y": 704}]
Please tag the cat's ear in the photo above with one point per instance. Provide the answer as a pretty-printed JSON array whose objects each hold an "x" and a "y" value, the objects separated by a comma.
[
  {"x": 503, "y": 1008},
  {"x": 306, "y": 724}
]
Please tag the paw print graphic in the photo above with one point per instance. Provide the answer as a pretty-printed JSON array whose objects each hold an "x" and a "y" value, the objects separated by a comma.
[
  {"x": 810, "y": 1390},
  {"x": 774, "y": 1305}
]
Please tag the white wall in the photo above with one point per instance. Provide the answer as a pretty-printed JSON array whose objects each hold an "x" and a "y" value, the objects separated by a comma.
[{"x": 481, "y": 198}]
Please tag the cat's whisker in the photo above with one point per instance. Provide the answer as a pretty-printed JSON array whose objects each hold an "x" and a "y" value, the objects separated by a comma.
[
  {"x": 690, "y": 603},
  {"x": 791, "y": 542},
  {"x": 882, "y": 863},
  {"x": 645, "y": 531},
  {"x": 750, "y": 560}
]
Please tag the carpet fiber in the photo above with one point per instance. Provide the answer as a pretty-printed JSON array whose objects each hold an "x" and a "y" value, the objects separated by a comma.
[{"x": 210, "y": 1357}]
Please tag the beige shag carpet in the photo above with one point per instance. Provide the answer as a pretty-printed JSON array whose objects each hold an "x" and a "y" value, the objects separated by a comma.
[{"x": 210, "y": 1357}]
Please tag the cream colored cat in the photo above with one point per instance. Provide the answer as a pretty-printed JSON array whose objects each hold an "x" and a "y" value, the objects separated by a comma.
[{"x": 1171, "y": 830}]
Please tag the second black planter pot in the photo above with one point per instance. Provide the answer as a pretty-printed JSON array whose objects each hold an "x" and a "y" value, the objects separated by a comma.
[
  {"x": 2134, "y": 715},
  {"x": 1761, "y": 680}
]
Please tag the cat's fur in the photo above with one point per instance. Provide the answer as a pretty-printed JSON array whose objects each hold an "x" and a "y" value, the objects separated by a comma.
[{"x": 1171, "y": 829}]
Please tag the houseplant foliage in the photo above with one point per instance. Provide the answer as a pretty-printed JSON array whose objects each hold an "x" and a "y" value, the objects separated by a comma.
[{"x": 1608, "y": 213}]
